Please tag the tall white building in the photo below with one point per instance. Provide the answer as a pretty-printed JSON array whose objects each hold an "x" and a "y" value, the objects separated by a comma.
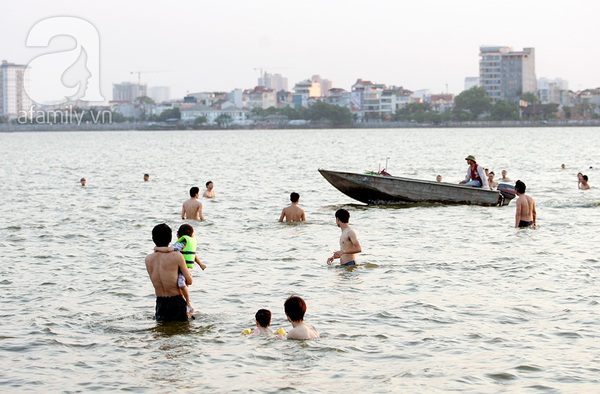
[
  {"x": 553, "y": 91},
  {"x": 160, "y": 94},
  {"x": 325, "y": 84},
  {"x": 14, "y": 82},
  {"x": 128, "y": 91},
  {"x": 506, "y": 74},
  {"x": 471, "y": 82},
  {"x": 276, "y": 82}
]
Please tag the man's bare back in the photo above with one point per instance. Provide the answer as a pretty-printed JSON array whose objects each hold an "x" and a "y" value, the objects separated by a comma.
[
  {"x": 293, "y": 213},
  {"x": 302, "y": 330},
  {"x": 525, "y": 210},
  {"x": 192, "y": 209},
  {"x": 163, "y": 269}
]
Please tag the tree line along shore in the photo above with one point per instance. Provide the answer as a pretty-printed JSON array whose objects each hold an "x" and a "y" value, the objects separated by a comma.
[{"x": 149, "y": 126}]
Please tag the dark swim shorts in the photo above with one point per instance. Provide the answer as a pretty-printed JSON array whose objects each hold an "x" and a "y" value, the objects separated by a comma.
[
  {"x": 525, "y": 223},
  {"x": 171, "y": 309},
  {"x": 349, "y": 263}
]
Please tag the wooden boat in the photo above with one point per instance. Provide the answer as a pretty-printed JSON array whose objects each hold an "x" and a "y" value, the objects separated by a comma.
[{"x": 374, "y": 188}]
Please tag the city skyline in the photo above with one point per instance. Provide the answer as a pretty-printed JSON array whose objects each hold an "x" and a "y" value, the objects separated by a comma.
[{"x": 192, "y": 46}]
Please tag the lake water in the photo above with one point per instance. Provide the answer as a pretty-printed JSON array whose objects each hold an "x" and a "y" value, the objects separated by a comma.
[{"x": 445, "y": 298}]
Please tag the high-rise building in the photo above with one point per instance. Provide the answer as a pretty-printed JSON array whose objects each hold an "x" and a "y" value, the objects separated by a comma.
[
  {"x": 273, "y": 81},
  {"x": 471, "y": 82},
  {"x": 325, "y": 84},
  {"x": 128, "y": 91},
  {"x": 506, "y": 74},
  {"x": 553, "y": 91},
  {"x": 160, "y": 94},
  {"x": 14, "y": 83}
]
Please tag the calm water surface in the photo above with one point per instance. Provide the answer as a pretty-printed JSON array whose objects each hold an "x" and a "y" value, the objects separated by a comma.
[{"x": 445, "y": 298}]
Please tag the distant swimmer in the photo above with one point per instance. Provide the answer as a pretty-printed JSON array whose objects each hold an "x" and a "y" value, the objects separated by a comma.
[
  {"x": 146, "y": 177},
  {"x": 293, "y": 213},
  {"x": 526, "y": 214},
  {"x": 83, "y": 181},
  {"x": 349, "y": 244},
  {"x": 504, "y": 177},
  {"x": 192, "y": 208},
  {"x": 163, "y": 269},
  {"x": 475, "y": 174},
  {"x": 209, "y": 192},
  {"x": 583, "y": 185},
  {"x": 579, "y": 180},
  {"x": 438, "y": 178},
  {"x": 563, "y": 166}
]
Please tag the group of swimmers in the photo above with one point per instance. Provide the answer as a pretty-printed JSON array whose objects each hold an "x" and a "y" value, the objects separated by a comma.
[{"x": 169, "y": 267}]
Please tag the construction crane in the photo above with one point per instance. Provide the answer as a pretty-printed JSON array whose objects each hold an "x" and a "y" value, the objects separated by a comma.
[
  {"x": 139, "y": 74},
  {"x": 262, "y": 70}
]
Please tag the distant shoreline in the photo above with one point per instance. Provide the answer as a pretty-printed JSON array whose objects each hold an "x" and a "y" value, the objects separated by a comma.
[{"x": 150, "y": 126}]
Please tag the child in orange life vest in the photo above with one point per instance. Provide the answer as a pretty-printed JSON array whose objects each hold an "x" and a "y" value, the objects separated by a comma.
[{"x": 186, "y": 245}]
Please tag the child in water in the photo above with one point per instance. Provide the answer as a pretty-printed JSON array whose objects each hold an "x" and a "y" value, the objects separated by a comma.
[
  {"x": 263, "y": 323},
  {"x": 186, "y": 245}
]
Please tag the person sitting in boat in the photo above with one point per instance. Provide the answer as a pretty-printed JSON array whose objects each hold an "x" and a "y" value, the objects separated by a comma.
[
  {"x": 475, "y": 174},
  {"x": 491, "y": 182}
]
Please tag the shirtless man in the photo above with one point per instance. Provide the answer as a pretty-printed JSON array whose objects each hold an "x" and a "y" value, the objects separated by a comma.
[
  {"x": 349, "y": 245},
  {"x": 163, "y": 269},
  {"x": 504, "y": 178},
  {"x": 293, "y": 213},
  {"x": 295, "y": 308},
  {"x": 583, "y": 184},
  {"x": 192, "y": 208},
  {"x": 209, "y": 193},
  {"x": 526, "y": 214}
]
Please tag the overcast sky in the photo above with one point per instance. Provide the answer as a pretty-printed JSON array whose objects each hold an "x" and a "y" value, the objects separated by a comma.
[{"x": 195, "y": 46}]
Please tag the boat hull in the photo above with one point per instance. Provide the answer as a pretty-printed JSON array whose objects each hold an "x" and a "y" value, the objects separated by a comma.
[{"x": 379, "y": 189}]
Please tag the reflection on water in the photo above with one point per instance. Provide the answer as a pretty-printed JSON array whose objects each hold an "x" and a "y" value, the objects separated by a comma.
[{"x": 443, "y": 297}]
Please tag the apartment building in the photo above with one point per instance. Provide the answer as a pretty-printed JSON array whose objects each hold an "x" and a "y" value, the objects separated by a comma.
[
  {"x": 14, "y": 83},
  {"x": 276, "y": 82},
  {"x": 261, "y": 97},
  {"x": 128, "y": 91},
  {"x": 553, "y": 91},
  {"x": 506, "y": 74}
]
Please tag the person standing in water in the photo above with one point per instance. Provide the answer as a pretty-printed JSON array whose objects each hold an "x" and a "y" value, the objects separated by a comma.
[
  {"x": 526, "y": 214},
  {"x": 192, "y": 208},
  {"x": 163, "y": 270},
  {"x": 293, "y": 213},
  {"x": 349, "y": 244}
]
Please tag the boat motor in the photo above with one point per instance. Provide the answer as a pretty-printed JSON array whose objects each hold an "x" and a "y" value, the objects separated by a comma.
[{"x": 507, "y": 193}]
